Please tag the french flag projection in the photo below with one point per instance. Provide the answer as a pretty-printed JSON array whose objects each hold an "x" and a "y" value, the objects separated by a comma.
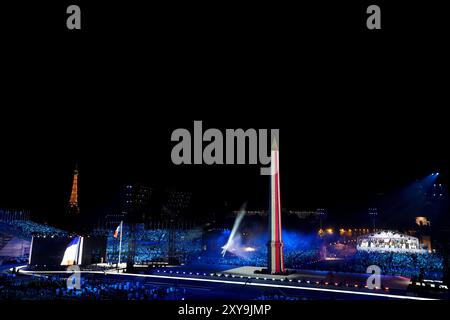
[
  {"x": 73, "y": 252},
  {"x": 275, "y": 258}
]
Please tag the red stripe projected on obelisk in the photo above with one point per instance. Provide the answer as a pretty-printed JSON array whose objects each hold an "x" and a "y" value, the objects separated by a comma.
[
  {"x": 281, "y": 257},
  {"x": 277, "y": 217}
]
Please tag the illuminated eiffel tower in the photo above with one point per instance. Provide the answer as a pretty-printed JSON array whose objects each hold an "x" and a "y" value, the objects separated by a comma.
[{"x": 73, "y": 202}]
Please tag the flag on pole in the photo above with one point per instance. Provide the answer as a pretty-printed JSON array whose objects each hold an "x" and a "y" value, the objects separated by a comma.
[
  {"x": 71, "y": 254},
  {"x": 116, "y": 234},
  {"x": 118, "y": 230}
]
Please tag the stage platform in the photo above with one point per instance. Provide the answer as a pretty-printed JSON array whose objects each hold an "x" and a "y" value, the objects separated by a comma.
[
  {"x": 220, "y": 281},
  {"x": 393, "y": 282}
]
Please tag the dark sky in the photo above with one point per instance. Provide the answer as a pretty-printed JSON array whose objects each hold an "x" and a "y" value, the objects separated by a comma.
[
  {"x": 358, "y": 114},
  {"x": 340, "y": 165}
]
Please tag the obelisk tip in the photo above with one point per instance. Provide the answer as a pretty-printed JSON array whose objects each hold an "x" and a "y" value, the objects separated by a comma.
[{"x": 274, "y": 144}]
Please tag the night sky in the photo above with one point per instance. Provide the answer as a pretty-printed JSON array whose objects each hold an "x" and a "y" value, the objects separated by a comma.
[
  {"x": 354, "y": 120},
  {"x": 340, "y": 165}
]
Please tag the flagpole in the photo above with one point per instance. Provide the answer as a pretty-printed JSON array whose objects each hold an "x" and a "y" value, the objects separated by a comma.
[{"x": 120, "y": 242}]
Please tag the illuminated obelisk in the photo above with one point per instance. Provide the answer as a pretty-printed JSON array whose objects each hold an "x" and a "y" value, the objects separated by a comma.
[{"x": 275, "y": 250}]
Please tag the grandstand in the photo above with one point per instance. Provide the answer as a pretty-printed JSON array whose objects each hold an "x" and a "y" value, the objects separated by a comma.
[
  {"x": 18, "y": 223},
  {"x": 395, "y": 253},
  {"x": 30, "y": 228},
  {"x": 55, "y": 288},
  {"x": 16, "y": 231},
  {"x": 152, "y": 245},
  {"x": 407, "y": 264},
  {"x": 389, "y": 241}
]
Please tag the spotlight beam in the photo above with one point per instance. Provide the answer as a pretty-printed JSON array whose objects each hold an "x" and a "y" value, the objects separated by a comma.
[{"x": 236, "y": 225}]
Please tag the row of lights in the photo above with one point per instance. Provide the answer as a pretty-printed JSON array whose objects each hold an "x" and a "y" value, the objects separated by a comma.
[
  {"x": 226, "y": 275},
  {"x": 57, "y": 236},
  {"x": 342, "y": 231},
  {"x": 343, "y": 242},
  {"x": 183, "y": 272}
]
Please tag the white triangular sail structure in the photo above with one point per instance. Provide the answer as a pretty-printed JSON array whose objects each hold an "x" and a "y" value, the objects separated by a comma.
[{"x": 72, "y": 252}]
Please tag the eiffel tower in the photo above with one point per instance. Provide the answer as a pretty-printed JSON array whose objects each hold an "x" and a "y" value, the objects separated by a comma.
[{"x": 73, "y": 202}]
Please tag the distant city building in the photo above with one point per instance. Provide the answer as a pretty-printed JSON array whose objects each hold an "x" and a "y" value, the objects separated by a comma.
[
  {"x": 321, "y": 215},
  {"x": 303, "y": 214},
  {"x": 111, "y": 221},
  {"x": 437, "y": 192},
  {"x": 176, "y": 204},
  {"x": 423, "y": 221},
  {"x": 8, "y": 215},
  {"x": 423, "y": 231},
  {"x": 373, "y": 214},
  {"x": 426, "y": 243},
  {"x": 261, "y": 213},
  {"x": 136, "y": 202}
]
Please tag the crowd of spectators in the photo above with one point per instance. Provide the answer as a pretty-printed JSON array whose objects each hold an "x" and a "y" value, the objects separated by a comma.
[
  {"x": 18, "y": 287},
  {"x": 153, "y": 245},
  {"x": 300, "y": 259},
  {"x": 22, "y": 287},
  {"x": 31, "y": 228},
  {"x": 293, "y": 259},
  {"x": 233, "y": 260},
  {"x": 429, "y": 266},
  {"x": 13, "y": 260}
]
